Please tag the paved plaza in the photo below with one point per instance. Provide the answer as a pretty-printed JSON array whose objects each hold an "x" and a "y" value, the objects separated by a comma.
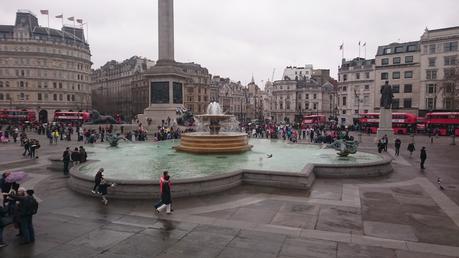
[{"x": 401, "y": 215}]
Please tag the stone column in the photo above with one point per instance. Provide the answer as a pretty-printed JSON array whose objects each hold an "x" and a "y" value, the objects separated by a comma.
[
  {"x": 385, "y": 124},
  {"x": 166, "y": 30}
]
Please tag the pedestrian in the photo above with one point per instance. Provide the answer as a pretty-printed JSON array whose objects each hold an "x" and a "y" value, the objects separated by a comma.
[
  {"x": 28, "y": 206},
  {"x": 423, "y": 156},
  {"x": 385, "y": 142},
  {"x": 397, "y": 145},
  {"x": 166, "y": 198},
  {"x": 83, "y": 155},
  {"x": 380, "y": 146},
  {"x": 66, "y": 159},
  {"x": 75, "y": 156},
  {"x": 5, "y": 220},
  {"x": 103, "y": 190},
  {"x": 411, "y": 148},
  {"x": 97, "y": 180}
]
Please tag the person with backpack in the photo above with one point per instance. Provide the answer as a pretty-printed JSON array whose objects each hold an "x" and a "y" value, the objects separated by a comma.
[{"x": 28, "y": 206}]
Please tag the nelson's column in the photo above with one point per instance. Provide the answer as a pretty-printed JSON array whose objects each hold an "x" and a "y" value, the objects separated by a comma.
[{"x": 166, "y": 78}]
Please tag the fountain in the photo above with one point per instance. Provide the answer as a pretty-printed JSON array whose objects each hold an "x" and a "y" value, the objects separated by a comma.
[{"x": 215, "y": 140}]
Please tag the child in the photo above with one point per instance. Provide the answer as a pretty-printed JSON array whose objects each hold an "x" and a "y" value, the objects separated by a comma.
[{"x": 103, "y": 190}]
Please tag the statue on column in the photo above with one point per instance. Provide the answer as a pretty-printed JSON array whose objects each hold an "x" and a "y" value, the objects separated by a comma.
[{"x": 386, "y": 96}]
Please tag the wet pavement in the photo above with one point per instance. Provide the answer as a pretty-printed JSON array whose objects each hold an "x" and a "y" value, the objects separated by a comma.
[{"x": 400, "y": 215}]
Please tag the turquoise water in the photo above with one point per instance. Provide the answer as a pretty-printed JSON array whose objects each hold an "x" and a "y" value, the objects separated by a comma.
[{"x": 147, "y": 160}]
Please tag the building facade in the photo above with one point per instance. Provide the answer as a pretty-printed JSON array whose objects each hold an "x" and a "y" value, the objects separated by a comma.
[
  {"x": 399, "y": 64},
  {"x": 297, "y": 72},
  {"x": 439, "y": 88},
  {"x": 112, "y": 83},
  {"x": 290, "y": 100},
  {"x": 355, "y": 92},
  {"x": 232, "y": 97},
  {"x": 43, "y": 69}
]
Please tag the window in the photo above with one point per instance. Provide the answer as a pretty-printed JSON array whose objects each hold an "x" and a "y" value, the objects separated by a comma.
[
  {"x": 60, "y": 85},
  {"x": 412, "y": 48},
  {"x": 356, "y": 111},
  {"x": 1, "y": 96},
  {"x": 406, "y": 103},
  {"x": 396, "y": 88},
  {"x": 357, "y": 76},
  {"x": 366, "y": 100},
  {"x": 408, "y": 88},
  {"x": 307, "y": 96},
  {"x": 344, "y": 88},
  {"x": 399, "y": 49},
  {"x": 408, "y": 74},
  {"x": 314, "y": 96},
  {"x": 73, "y": 97},
  {"x": 344, "y": 77},
  {"x": 385, "y": 61},
  {"x": 408, "y": 59},
  {"x": 449, "y": 87},
  {"x": 68, "y": 97},
  {"x": 387, "y": 51},
  {"x": 449, "y": 73},
  {"x": 39, "y": 96},
  {"x": 431, "y": 88},
  {"x": 396, "y": 60},
  {"x": 396, "y": 75},
  {"x": 343, "y": 112},
  {"x": 384, "y": 76},
  {"x": 450, "y": 46},
  {"x": 54, "y": 97},
  {"x": 54, "y": 85},
  {"x": 432, "y": 49},
  {"x": 367, "y": 75},
  {"x": 450, "y": 60},
  {"x": 367, "y": 87},
  {"x": 344, "y": 101},
  {"x": 61, "y": 97},
  {"x": 431, "y": 74},
  {"x": 432, "y": 61},
  {"x": 314, "y": 106},
  {"x": 430, "y": 103},
  {"x": 395, "y": 103}
]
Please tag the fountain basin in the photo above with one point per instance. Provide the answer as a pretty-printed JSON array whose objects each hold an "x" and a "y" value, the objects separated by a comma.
[{"x": 204, "y": 143}]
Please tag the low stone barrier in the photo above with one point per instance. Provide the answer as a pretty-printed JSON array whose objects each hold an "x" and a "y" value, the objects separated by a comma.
[{"x": 303, "y": 180}]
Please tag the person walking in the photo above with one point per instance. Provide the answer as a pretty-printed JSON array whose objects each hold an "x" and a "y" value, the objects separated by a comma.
[
  {"x": 103, "y": 190},
  {"x": 97, "y": 180},
  {"x": 66, "y": 159},
  {"x": 423, "y": 157},
  {"x": 411, "y": 148},
  {"x": 166, "y": 198},
  {"x": 397, "y": 145},
  {"x": 83, "y": 155}
]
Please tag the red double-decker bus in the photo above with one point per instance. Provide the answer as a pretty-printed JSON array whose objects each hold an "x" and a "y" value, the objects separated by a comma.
[
  {"x": 313, "y": 120},
  {"x": 14, "y": 116},
  {"x": 402, "y": 123},
  {"x": 445, "y": 123},
  {"x": 71, "y": 117}
]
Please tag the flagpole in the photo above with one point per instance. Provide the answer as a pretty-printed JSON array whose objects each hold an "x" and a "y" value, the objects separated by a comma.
[
  {"x": 62, "y": 20},
  {"x": 87, "y": 33},
  {"x": 359, "y": 49},
  {"x": 48, "y": 19},
  {"x": 365, "y": 50},
  {"x": 74, "y": 36}
]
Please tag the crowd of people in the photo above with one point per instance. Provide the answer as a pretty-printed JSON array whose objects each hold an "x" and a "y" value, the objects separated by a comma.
[{"x": 17, "y": 207}]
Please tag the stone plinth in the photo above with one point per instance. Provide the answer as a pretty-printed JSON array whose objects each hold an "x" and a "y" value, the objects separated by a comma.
[
  {"x": 385, "y": 123},
  {"x": 152, "y": 116}
]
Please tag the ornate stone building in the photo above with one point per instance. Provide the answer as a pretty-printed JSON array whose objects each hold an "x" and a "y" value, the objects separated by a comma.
[
  {"x": 112, "y": 84},
  {"x": 43, "y": 69},
  {"x": 439, "y": 88},
  {"x": 232, "y": 97},
  {"x": 290, "y": 100},
  {"x": 399, "y": 63},
  {"x": 355, "y": 93}
]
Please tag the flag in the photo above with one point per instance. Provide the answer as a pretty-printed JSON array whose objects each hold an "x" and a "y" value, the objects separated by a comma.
[
  {"x": 79, "y": 21},
  {"x": 71, "y": 18},
  {"x": 45, "y": 12},
  {"x": 364, "y": 44},
  {"x": 60, "y": 16},
  {"x": 359, "y": 43},
  {"x": 341, "y": 47}
]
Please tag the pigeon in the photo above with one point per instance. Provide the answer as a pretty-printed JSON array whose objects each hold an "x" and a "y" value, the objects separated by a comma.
[
  {"x": 439, "y": 184},
  {"x": 269, "y": 156}
]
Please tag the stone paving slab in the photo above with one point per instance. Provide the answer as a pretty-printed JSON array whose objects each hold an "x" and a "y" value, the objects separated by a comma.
[
  {"x": 308, "y": 248},
  {"x": 389, "y": 230},
  {"x": 346, "y": 250}
]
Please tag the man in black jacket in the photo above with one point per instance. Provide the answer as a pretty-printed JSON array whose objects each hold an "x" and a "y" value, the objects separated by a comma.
[
  {"x": 28, "y": 206},
  {"x": 66, "y": 159},
  {"x": 423, "y": 157}
]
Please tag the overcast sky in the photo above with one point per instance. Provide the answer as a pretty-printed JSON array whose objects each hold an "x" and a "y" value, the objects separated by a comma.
[{"x": 235, "y": 38}]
